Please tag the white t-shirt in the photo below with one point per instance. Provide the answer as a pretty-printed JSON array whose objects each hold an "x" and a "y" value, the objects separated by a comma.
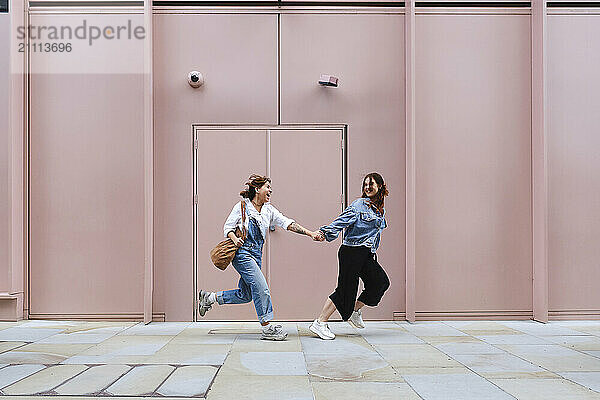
[{"x": 268, "y": 216}]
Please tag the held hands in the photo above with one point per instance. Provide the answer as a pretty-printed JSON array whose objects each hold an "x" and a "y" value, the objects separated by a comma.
[{"x": 317, "y": 236}]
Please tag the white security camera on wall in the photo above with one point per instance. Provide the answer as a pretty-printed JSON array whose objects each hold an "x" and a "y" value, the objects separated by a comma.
[{"x": 195, "y": 79}]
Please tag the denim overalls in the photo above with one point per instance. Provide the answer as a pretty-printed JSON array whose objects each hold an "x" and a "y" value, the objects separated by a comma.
[{"x": 252, "y": 284}]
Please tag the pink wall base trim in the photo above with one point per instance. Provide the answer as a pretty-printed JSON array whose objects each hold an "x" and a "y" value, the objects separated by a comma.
[
  {"x": 119, "y": 317},
  {"x": 558, "y": 315},
  {"x": 474, "y": 315}
]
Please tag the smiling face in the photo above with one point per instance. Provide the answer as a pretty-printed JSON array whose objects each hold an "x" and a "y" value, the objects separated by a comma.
[
  {"x": 263, "y": 195},
  {"x": 370, "y": 187}
]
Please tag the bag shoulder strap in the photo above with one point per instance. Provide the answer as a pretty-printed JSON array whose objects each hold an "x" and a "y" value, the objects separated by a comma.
[{"x": 244, "y": 232}]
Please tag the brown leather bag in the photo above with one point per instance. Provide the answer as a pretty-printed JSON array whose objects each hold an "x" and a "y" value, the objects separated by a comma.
[{"x": 224, "y": 251}]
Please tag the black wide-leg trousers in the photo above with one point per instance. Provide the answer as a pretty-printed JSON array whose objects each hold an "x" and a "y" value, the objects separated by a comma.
[{"x": 358, "y": 262}]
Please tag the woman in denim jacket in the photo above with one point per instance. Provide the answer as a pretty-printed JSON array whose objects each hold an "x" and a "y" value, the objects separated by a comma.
[
  {"x": 252, "y": 286},
  {"x": 364, "y": 220}
]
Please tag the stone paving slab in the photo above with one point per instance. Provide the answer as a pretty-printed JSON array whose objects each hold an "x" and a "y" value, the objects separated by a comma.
[
  {"x": 432, "y": 329},
  {"x": 30, "y": 357},
  {"x": 161, "y": 329},
  {"x": 355, "y": 345},
  {"x": 9, "y": 324},
  {"x": 512, "y": 339},
  {"x": 345, "y": 366},
  {"x": 45, "y": 380},
  {"x": 202, "y": 336},
  {"x": 415, "y": 355},
  {"x": 545, "y": 389},
  {"x": 128, "y": 345},
  {"x": 389, "y": 336},
  {"x": 84, "y": 327},
  {"x": 261, "y": 388},
  {"x": 581, "y": 343},
  {"x": 435, "y": 340},
  {"x": 72, "y": 338},
  {"x": 191, "y": 354},
  {"x": 188, "y": 381},
  {"x": 6, "y": 346},
  {"x": 460, "y": 369},
  {"x": 23, "y": 334},
  {"x": 540, "y": 329},
  {"x": 590, "y": 330},
  {"x": 14, "y": 373},
  {"x": 554, "y": 357},
  {"x": 64, "y": 350},
  {"x": 453, "y": 349},
  {"x": 48, "y": 324},
  {"x": 455, "y": 387},
  {"x": 276, "y": 363},
  {"x": 142, "y": 380},
  {"x": 252, "y": 342},
  {"x": 496, "y": 363},
  {"x": 363, "y": 391},
  {"x": 475, "y": 328},
  {"x": 93, "y": 380},
  {"x": 590, "y": 380}
]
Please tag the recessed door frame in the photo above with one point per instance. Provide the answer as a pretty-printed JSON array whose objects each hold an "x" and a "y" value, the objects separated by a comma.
[{"x": 197, "y": 128}]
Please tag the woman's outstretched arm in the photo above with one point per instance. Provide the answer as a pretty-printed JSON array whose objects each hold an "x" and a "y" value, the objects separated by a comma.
[
  {"x": 348, "y": 217},
  {"x": 289, "y": 224},
  {"x": 296, "y": 227}
]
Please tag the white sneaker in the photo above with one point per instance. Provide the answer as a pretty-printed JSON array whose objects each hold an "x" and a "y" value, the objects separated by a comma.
[
  {"x": 273, "y": 332},
  {"x": 321, "y": 329},
  {"x": 204, "y": 303},
  {"x": 356, "y": 320}
]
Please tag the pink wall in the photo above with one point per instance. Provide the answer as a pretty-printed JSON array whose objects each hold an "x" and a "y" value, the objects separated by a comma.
[
  {"x": 573, "y": 164},
  {"x": 246, "y": 93},
  {"x": 238, "y": 56},
  {"x": 86, "y": 198},
  {"x": 370, "y": 99},
  {"x": 473, "y": 155},
  {"x": 473, "y": 132},
  {"x": 4, "y": 156}
]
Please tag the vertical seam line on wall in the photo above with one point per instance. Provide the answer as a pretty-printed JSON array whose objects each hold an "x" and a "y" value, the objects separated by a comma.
[
  {"x": 28, "y": 185},
  {"x": 16, "y": 162},
  {"x": 279, "y": 69},
  {"x": 195, "y": 223},
  {"x": 148, "y": 165},
  {"x": 410, "y": 216},
  {"x": 268, "y": 238}
]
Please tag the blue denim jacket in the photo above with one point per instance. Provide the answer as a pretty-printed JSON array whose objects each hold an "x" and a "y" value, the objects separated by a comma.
[{"x": 363, "y": 225}]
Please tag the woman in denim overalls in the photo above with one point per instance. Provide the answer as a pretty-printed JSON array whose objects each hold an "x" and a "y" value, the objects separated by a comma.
[
  {"x": 252, "y": 286},
  {"x": 364, "y": 220}
]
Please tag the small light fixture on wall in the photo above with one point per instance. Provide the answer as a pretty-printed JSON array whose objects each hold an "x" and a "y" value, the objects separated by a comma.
[
  {"x": 195, "y": 79},
  {"x": 328, "y": 80}
]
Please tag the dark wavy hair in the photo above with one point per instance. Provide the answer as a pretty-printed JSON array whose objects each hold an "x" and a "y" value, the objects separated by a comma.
[
  {"x": 254, "y": 183},
  {"x": 378, "y": 201}
]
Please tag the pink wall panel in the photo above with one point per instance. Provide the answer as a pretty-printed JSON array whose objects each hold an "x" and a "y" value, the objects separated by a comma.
[
  {"x": 219, "y": 185},
  {"x": 473, "y": 232},
  {"x": 573, "y": 162},
  {"x": 4, "y": 156},
  {"x": 366, "y": 52},
  {"x": 238, "y": 56},
  {"x": 87, "y": 238}
]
